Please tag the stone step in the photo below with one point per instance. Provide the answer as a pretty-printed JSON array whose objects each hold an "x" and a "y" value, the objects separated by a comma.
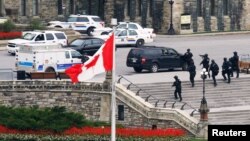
[{"x": 232, "y": 95}]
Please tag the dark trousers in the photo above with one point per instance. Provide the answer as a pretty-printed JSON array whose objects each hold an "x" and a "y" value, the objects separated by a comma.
[
  {"x": 191, "y": 78},
  {"x": 237, "y": 69},
  {"x": 179, "y": 94},
  {"x": 214, "y": 79},
  {"x": 206, "y": 67},
  {"x": 228, "y": 76}
]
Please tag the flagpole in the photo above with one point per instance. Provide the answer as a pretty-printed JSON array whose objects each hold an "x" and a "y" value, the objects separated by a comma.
[{"x": 113, "y": 99}]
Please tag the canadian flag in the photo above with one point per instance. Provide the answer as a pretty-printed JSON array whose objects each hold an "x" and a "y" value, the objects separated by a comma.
[{"x": 101, "y": 61}]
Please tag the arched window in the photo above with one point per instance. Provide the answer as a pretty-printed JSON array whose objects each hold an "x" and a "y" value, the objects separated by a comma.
[
  {"x": 35, "y": 7},
  {"x": 59, "y": 7},
  {"x": 212, "y": 7},
  {"x": 225, "y": 7},
  {"x": 71, "y": 6},
  {"x": 23, "y": 7},
  {"x": 199, "y": 8}
]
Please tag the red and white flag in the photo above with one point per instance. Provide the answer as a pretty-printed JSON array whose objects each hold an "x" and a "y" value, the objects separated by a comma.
[{"x": 101, "y": 61}]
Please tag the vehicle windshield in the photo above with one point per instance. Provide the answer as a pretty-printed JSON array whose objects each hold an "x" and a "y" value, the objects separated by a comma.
[
  {"x": 29, "y": 36},
  {"x": 76, "y": 43}
]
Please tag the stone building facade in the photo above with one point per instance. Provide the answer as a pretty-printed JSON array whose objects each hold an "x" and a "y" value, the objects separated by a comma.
[{"x": 202, "y": 15}]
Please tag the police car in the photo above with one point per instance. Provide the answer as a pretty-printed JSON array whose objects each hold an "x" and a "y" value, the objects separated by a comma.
[
  {"x": 81, "y": 23},
  {"x": 125, "y": 25},
  {"x": 129, "y": 37}
]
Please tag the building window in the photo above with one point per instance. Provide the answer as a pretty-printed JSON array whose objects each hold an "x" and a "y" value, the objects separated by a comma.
[
  {"x": 139, "y": 7},
  {"x": 225, "y": 7},
  {"x": 23, "y": 7},
  {"x": 199, "y": 8},
  {"x": 151, "y": 8},
  {"x": 212, "y": 7},
  {"x": 35, "y": 7},
  {"x": 71, "y": 6},
  {"x": 128, "y": 8},
  {"x": 120, "y": 112},
  {"x": 59, "y": 7}
]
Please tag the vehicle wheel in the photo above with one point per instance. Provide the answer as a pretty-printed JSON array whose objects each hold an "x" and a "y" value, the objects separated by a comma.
[
  {"x": 137, "y": 69},
  {"x": 58, "y": 26},
  {"x": 154, "y": 68},
  {"x": 50, "y": 70},
  {"x": 140, "y": 43},
  {"x": 184, "y": 67},
  {"x": 89, "y": 31}
]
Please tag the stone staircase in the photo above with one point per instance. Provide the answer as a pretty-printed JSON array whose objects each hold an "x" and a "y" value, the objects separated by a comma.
[{"x": 228, "y": 103}]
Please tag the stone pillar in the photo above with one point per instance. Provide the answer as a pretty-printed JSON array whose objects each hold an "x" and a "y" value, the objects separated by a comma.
[
  {"x": 109, "y": 11},
  {"x": 207, "y": 15},
  {"x": 132, "y": 10},
  {"x": 2, "y": 8},
  {"x": 105, "y": 108},
  {"x": 194, "y": 16},
  {"x": 144, "y": 13},
  {"x": 220, "y": 16}
]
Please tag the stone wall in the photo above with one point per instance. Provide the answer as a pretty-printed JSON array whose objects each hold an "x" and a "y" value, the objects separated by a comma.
[
  {"x": 154, "y": 13},
  {"x": 92, "y": 100}
]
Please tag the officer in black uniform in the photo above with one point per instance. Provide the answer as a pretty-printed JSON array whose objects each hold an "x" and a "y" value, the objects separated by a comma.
[
  {"x": 177, "y": 84},
  {"x": 188, "y": 57},
  {"x": 192, "y": 72},
  {"x": 235, "y": 64},
  {"x": 205, "y": 63},
  {"x": 214, "y": 68},
  {"x": 226, "y": 69}
]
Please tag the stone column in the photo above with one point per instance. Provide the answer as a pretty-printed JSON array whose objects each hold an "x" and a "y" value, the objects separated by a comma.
[
  {"x": 220, "y": 16},
  {"x": 207, "y": 15},
  {"x": 144, "y": 13},
  {"x": 109, "y": 11},
  {"x": 2, "y": 8}
]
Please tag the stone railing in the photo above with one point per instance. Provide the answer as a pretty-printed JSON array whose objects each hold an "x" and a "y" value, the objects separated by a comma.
[
  {"x": 151, "y": 112},
  {"x": 45, "y": 85}
]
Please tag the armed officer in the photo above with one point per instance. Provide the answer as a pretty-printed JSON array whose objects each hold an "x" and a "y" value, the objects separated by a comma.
[
  {"x": 177, "y": 84},
  {"x": 214, "y": 68},
  {"x": 192, "y": 72},
  {"x": 205, "y": 63},
  {"x": 226, "y": 69},
  {"x": 235, "y": 64},
  {"x": 188, "y": 57}
]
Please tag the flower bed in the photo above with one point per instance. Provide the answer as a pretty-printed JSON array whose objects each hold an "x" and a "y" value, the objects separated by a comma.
[
  {"x": 10, "y": 35},
  {"x": 95, "y": 133}
]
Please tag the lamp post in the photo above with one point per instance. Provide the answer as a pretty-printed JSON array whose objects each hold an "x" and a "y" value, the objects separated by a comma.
[
  {"x": 171, "y": 28},
  {"x": 203, "y": 107}
]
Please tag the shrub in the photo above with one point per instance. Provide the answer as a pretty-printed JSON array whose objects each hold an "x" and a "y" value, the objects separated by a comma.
[
  {"x": 7, "y": 26},
  {"x": 54, "y": 119},
  {"x": 36, "y": 24}
]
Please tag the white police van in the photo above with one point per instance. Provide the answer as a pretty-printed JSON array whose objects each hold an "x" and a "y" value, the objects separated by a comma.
[
  {"x": 46, "y": 58},
  {"x": 48, "y": 36}
]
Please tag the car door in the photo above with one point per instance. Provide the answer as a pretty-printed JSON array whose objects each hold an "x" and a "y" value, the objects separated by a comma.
[
  {"x": 71, "y": 57},
  {"x": 40, "y": 38},
  {"x": 165, "y": 59},
  {"x": 49, "y": 37},
  {"x": 132, "y": 37},
  {"x": 87, "y": 47},
  {"x": 174, "y": 58},
  {"x": 120, "y": 39}
]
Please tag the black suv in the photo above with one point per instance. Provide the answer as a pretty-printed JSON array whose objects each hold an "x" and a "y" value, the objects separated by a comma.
[{"x": 154, "y": 58}]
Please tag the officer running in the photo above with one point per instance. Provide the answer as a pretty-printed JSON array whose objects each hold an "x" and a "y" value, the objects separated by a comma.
[
  {"x": 188, "y": 57},
  {"x": 192, "y": 72},
  {"x": 235, "y": 64},
  {"x": 177, "y": 84},
  {"x": 205, "y": 62},
  {"x": 214, "y": 68},
  {"x": 226, "y": 69}
]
